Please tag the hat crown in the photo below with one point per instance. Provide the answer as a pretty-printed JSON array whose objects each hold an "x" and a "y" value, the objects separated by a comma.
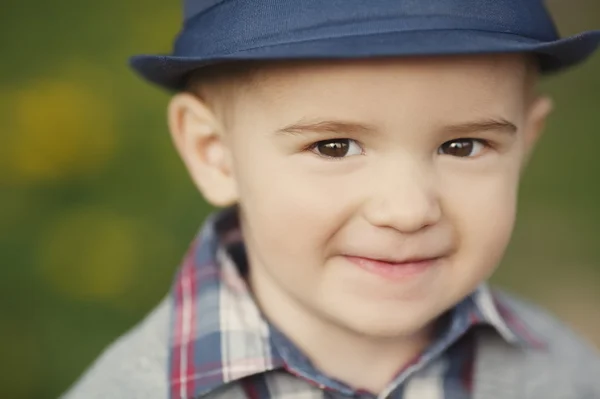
[
  {"x": 212, "y": 26},
  {"x": 191, "y": 8},
  {"x": 510, "y": 13}
]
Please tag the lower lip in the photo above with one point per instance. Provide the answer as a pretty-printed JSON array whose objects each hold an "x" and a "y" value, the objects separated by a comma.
[{"x": 393, "y": 271}]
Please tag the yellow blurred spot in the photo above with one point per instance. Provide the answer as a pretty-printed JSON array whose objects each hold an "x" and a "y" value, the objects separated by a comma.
[
  {"x": 61, "y": 131},
  {"x": 91, "y": 254}
]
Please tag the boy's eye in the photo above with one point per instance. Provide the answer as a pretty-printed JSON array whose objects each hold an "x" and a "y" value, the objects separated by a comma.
[
  {"x": 462, "y": 148},
  {"x": 337, "y": 148}
]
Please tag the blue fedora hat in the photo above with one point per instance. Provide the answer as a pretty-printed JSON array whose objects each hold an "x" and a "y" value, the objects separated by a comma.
[{"x": 216, "y": 31}]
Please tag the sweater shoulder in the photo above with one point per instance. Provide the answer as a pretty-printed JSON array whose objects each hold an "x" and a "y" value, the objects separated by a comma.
[
  {"x": 134, "y": 366},
  {"x": 564, "y": 362},
  {"x": 555, "y": 336}
]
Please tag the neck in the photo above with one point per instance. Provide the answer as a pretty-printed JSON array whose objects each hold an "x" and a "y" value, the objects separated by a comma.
[{"x": 363, "y": 362}]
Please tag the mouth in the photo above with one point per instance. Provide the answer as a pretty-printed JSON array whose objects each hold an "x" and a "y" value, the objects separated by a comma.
[{"x": 395, "y": 269}]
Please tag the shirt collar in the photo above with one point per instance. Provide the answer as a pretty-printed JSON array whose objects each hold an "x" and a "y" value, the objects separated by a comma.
[{"x": 218, "y": 334}]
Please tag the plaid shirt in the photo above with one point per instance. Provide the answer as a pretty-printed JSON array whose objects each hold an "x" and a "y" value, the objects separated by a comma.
[{"x": 220, "y": 340}]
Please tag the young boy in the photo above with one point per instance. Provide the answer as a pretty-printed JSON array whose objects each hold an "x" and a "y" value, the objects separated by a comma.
[{"x": 367, "y": 156}]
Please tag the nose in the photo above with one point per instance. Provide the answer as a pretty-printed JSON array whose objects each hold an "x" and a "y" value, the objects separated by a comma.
[{"x": 404, "y": 199}]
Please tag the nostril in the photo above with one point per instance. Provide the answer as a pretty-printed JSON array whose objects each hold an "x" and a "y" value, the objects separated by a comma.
[{"x": 404, "y": 216}]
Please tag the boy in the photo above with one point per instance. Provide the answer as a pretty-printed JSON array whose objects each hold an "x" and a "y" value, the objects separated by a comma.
[{"x": 367, "y": 155}]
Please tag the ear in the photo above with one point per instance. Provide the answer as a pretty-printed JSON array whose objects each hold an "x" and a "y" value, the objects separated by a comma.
[
  {"x": 199, "y": 139},
  {"x": 537, "y": 114}
]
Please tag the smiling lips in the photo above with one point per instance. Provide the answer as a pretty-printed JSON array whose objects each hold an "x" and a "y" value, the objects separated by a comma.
[{"x": 394, "y": 270}]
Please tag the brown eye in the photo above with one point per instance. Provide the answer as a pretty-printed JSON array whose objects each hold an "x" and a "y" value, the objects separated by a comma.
[
  {"x": 338, "y": 148},
  {"x": 462, "y": 148}
]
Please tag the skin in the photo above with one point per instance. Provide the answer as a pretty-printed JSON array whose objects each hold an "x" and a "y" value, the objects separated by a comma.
[{"x": 366, "y": 251}]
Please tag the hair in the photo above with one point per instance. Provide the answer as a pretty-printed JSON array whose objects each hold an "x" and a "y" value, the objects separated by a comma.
[
  {"x": 532, "y": 76},
  {"x": 218, "y": 85}
]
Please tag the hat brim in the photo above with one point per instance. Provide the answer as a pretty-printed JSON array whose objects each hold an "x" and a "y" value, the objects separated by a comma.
[{"x": 171, "y": 71}]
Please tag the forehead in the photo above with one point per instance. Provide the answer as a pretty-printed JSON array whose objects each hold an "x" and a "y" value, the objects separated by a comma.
[{"x": 390, "y": 88}]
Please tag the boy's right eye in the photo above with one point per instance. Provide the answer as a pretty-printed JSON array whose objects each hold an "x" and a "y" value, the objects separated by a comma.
[{"x": 336, "y": 148}]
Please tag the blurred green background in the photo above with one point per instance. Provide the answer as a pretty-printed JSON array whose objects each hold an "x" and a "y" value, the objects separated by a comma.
[{"x": 96, "y": 210}]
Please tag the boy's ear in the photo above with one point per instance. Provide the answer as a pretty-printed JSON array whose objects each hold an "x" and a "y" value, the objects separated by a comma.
[
  {"x": 539, "y": 110},
  {"x": 199, "y": 138}
]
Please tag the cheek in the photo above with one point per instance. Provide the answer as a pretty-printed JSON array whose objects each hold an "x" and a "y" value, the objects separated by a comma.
[
  {"x": 487, "y": 204},
  {"x": 482, "y": 211},
  {"x": 290, "y": 212}
]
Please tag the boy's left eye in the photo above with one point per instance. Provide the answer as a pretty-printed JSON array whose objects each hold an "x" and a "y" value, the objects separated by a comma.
[
  {"x": 337, "y": 148},
  {"x": 462, "y": 148}
]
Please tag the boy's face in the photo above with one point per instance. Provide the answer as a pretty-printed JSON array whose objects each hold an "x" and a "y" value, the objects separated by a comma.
[{"x": 374, "y": 195}]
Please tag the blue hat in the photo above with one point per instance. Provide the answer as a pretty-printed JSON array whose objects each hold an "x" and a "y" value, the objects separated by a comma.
[{"x": 216, "y": 31}]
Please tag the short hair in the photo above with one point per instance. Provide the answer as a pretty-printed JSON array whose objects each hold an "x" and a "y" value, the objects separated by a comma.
[{"x": 218, "y": 85}]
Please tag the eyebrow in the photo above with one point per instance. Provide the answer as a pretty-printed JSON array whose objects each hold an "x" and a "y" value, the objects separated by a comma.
[
  {"x": 486, "y": 125},
  {"x": 327, "y": 127},
  {"x": 345, "y": 127}
]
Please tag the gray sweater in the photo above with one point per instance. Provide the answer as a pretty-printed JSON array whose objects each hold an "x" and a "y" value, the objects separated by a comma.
[{"x": 136, "y": 365}]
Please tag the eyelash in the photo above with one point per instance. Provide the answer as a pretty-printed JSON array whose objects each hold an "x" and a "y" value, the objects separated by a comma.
[
  {"x": 313, "y": 148},
  {"x": 485, "y": 143}
]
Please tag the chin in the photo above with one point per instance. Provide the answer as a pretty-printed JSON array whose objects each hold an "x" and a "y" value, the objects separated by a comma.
[{"x": 387, "y": 326}]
